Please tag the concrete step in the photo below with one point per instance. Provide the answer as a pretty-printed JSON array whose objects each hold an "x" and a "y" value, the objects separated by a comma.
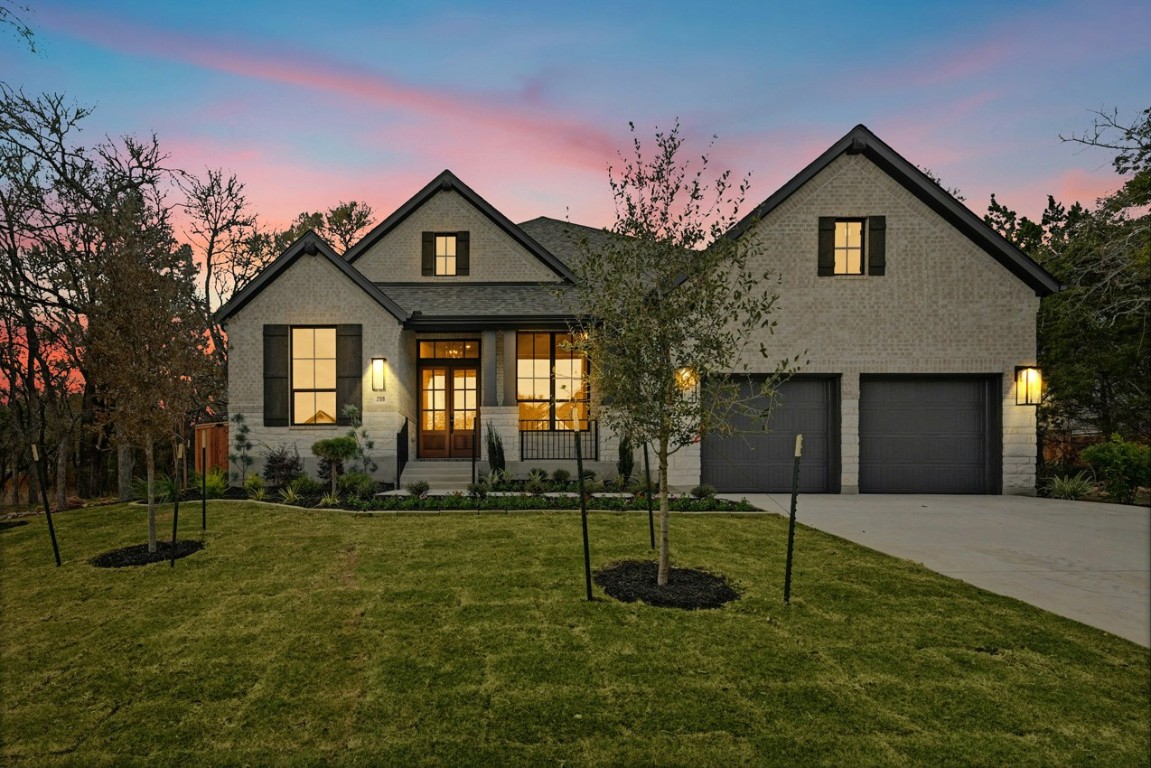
[{"x": 442, "y": 475}]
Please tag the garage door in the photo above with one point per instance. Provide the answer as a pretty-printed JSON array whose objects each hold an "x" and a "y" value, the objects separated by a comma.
[
  {"x": 928, "y": 435},
  {"x": 752, "y": 460}
]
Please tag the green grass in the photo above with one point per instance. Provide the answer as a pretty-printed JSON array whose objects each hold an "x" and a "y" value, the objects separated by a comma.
[{"x": 319, "y": 638}]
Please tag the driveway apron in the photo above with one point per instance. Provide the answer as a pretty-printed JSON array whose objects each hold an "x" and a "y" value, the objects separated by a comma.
[{"x": 1087, "y": 561}]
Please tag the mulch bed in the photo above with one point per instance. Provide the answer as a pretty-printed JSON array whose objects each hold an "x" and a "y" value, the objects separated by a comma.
[
  {"x": 687, "y": 588},
  {"x": 139, "y": 554}
]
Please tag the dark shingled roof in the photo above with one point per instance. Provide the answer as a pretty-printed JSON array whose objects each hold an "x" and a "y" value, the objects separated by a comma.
[
  {"x": 500, "y": 305},
  {"x": 562, "y": 238}
]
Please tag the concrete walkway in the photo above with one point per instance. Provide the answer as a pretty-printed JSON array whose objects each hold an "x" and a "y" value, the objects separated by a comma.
[{"x": 1087, "y": 561}]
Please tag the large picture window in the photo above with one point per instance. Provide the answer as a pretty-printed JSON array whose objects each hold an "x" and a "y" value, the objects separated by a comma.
[
  {"x": 551, "y": 383},
  {"x": 314, "y": 375}
]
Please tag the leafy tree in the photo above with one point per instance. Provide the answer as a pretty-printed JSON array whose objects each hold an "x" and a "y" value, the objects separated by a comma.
[
  {"x": 670, "y": 302},
  {"x": 1093, "y": 336},
  {"x": 344, "y": 223}
]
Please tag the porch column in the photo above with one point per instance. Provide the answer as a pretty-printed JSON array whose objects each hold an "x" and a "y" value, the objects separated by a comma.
[
  {"x": 488, "y": 347},
  {"x": 509, "y": 368}
]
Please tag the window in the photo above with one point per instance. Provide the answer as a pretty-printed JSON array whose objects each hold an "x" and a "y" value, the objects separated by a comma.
[
  {"x": 551, "y": 383},
  {"x": 446, "y": 254},
  {"x": 849, "y": 247},
  {"x": 852, "y": 246},
  {"x": 311, "y": 373},
  {"x": 314, "y": 375}
]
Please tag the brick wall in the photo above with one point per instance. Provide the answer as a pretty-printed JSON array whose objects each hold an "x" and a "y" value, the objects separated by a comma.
[
  {"x": 495, "y": 256},
  {"x": 313, "y": 291},
  {"x": 943, "y": 306}
]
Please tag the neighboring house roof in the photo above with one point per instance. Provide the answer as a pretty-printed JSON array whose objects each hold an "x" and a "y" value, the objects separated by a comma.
[
  {"x": 481, "y": 305},
  {"x": 860, "y": 140},
  {"x": 309, "y": 244},
  {"x": 448, "y": 181}
]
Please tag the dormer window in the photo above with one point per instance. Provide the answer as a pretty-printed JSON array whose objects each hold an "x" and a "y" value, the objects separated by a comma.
[{"x": 446, "y": 254}]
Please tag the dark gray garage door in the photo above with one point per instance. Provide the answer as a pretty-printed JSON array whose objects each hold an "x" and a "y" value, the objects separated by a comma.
[
  {"x": 928, "y": 435},
  {"x": 754, "y": 461}
]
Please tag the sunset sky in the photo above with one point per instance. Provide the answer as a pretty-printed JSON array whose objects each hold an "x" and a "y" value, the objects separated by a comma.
[{"x": 528, "y": 102}]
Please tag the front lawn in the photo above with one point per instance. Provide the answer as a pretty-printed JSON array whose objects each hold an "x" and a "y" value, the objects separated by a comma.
[{"x": 299, "y": 637}]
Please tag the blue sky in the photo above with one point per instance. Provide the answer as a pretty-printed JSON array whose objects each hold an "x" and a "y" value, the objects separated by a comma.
[{"x": 314, "y": 103}]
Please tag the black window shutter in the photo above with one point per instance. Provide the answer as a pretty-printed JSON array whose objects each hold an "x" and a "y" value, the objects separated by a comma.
[
  {"x": 826, "y": 245},
  {"x": 428, "y": 262},
  {"x": 349, "y": 370},
  {"x": 276, "y": 364},
  {"x": 876, "y": 245},
  {"x": 463, "y": 253}
]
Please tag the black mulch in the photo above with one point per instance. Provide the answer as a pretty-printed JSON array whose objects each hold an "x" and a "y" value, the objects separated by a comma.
[
  {"x": 139, "y": 554},
  {"x": 6, "y": 524},
  {"x": 687, "y": 588}
]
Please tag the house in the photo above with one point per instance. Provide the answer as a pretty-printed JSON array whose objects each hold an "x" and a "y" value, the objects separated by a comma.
[{"x": 447, "y": 319}]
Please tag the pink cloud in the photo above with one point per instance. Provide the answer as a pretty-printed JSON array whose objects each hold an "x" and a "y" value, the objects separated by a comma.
[{"x": 522, "y": 116}]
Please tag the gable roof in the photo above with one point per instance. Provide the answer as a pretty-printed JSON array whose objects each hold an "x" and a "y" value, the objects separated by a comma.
[
  {"x": 861, "y": 141},
  {"x": 447, "y": 181},
  {"x": 309, "y": 244}
]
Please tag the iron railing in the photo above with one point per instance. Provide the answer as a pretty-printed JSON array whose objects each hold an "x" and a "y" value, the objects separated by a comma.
[
  {"x": 401, "y": 451},
  {"x": 540, "y": 443}
]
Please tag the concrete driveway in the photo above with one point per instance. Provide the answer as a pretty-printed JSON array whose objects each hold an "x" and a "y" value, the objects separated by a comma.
[{"x": 1087, "y": 561}]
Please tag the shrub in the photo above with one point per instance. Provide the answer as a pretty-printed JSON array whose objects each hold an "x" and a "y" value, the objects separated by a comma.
[
  {"x": 1069, "y": 486},
  {"x": 329, "y": 500},
  {"x": 289, "y": 495},
  {"x": 535, "y": 486},
  {"x": 357, "y": 484},
  {"x": 165, "y": 489},
  {"x": 241, "y": 445},
  {"x": 588, "y": 474},
  {"x": 335, "y": 450},
  {"x": 478, "y": 490},
  {"x": 306, "y": 486},
  {"x": 418, "y": 488},
  {"x": 214, "y": 484},
  {"x": 282, "y": 465},
  {"x": 255, "y": 483},
  {"x": 497, "y": 478},
  {"x": 258, "y": 494},
  {"x": 626, "y": 463},
  {"x": 361, "y": 462},
  {"x": 495, "y": 450},
  {"x": 561, "y": 477},
  {"x": 1122, "y": 467},
  {"x": 703, "y": 491},
  {"x": 537, "y": 474}
]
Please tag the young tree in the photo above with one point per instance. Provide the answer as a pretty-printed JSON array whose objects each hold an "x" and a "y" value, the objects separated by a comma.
[
  {"x": 670, "y": 303},
  {"x": 147, "y": 342}
]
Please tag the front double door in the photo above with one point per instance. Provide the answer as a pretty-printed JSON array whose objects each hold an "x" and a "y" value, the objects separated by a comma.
[{"x": 449, "y": 397}]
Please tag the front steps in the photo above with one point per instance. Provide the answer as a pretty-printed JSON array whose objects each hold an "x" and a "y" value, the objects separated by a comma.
[{"x": 444, "y": 475}]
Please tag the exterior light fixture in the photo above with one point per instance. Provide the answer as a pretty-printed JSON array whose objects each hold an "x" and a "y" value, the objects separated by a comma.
[
  {"x": 686, "y": 379},
  {"x": 378, "y": 374},
  {"x": 1028, "y": 385}
]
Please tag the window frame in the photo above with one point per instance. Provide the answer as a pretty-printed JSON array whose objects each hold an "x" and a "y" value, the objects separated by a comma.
[
  {"x": 583, "y": 419},
  {"x": 847, "y": 250},
  {"x": 293, "y": 421},
  {"x": 872, "y": 246}
]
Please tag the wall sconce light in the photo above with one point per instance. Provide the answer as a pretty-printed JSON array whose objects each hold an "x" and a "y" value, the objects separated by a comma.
[
  {"x": 686, "y": 379},
  {"x": 1028, "y": 385},
  {"x": 378, "y": 374}
]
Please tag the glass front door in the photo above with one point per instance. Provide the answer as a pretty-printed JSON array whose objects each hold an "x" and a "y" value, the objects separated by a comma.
[{"x": 448, "y": 405}]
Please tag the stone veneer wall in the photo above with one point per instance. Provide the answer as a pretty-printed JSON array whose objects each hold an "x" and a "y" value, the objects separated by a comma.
[{"x": 944, "y": 305}]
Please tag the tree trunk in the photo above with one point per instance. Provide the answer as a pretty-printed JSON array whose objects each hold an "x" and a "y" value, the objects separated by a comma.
[
  {"x": 664, "y": 538},
  {"x": 150, "y": 464},
  {"x": 124, "y": 466},
  {"x": 62, "y": 472}
]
